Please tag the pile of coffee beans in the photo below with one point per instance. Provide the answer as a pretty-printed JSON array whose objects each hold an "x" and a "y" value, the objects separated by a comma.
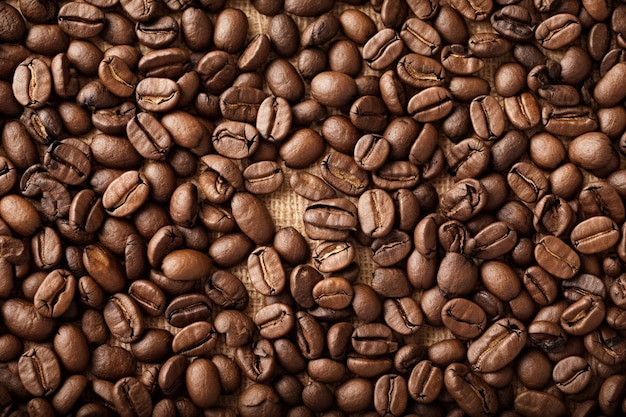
[{"x": 462, "y": 239}]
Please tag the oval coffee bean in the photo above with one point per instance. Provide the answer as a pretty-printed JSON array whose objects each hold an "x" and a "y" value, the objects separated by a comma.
[
  {"x": 275, "y": 320},
  {"x": 557, "y": 258},
  {"x": 595, "y": 235},
  {"x": 497, "y": 346},
  {"x": 334, "y": 292},
  {"x": 266, "y": 271},
  {"x": 425, "y": 382},
  {"x": 39, "y": 371},
  {"x": 471, "y": 393},
  {"x": 124, "y": 318},
  {"x": 558, "y": 31}
]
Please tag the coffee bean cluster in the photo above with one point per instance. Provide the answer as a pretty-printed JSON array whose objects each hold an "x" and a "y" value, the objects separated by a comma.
[{"x": 474, "y": 149}]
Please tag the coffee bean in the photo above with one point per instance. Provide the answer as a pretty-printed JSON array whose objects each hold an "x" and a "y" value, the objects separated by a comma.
[
  {"x": 195, "y": 339},
  {"x": 131, "y": 398},
  {"x": 558, "y": 31},
  {"x": 39, "y": 371},
  {"x": 472, "y": 394},
  {"x": 390, "y": 395},
  {"x": 420, "y": 72}
]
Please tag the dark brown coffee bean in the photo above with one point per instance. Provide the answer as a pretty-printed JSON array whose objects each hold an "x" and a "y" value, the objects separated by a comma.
[
  {"x": 382, "y": 49},
  {"x": 487, "y": 117},
  {"x": 558, "y": 31},
  {"x": 594, "y": 235},
  {"x": 123, "y": 318},
  {"x": 522, "y": 111},
  {"x": 498, "y": 346},
  {"x": 325, "y": 88},
  {"x": 470, "y": 392},
  {"x": 373, "y": 339},
  {"x": 583, "y": 316},
  {"x": 430, "y": 104},
  {"x": 266, "y": 272},
  {"x": 40, "y": 371},
  {"x": 420, "y": 72},
  {"x": 335, "y": 293},
  {"x": 403, "y": 315},
  {"x": 131, "y": 398},
  {"x": 55, "y": 293},
  {"x": 157, "y": 33},
  {"x": 568, "y": 121},
  {"x": 420, "y": 37},
  {"x": 258, "y": 399},
  {"x": 274, "y": 320},
  {"x": 309, "y": 335},
  {"x": 284, "y": 81},
  {"x": 425, "y": 382},
  {"x": 331, "y": 256},
  {"x": 342, "y": 172},
  {"x": 202, "y": 369},
  {"x": 80, "y": 20},
  {"x": 195, "y": 339},
  {"x": 290, "y": 150},
  {"x": 527, "y": 182},
  {"x": 534, "y": 403},
  {"x": 391, "y": 395},
  {"x": 514, "y": 22},
  {"x": 571, "y": 374},
  {"x": 489, "y": 45},
  {"x": 32, "y": 82},
  {"x": 557, "y": 258},
  {"x": 465, "y": 319},
  {"x": 464, "y": 200},
  {"x": 600, "y": 199}
]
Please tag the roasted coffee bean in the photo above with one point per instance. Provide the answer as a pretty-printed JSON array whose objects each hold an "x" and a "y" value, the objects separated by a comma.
[
  {"x": 600, "y": 199},
  {"x": 471, "y": 393},
  {"x": 157, "y": 33},
  {"x": 302, "y": 138},
  {"x": 489, "y": 45},
  {"x": 55, "y": 293},
  {"x": 382, "y": 49},
  {"x": 32, "y": 83},
  {"x": 40, "y": 371},
  {"x": 464, "y": 200},
  {"x": 373, "y": 339},
  {"x": 497, "y": 346},
  {"x": 558, "y": 31},
  {"x": 403, "y": 315},
  {"x": 425, "y": 382},
  {"x": 390, "y": 395},
  {"x": 571, "y": 374},
  {"x": 331, "y": 256},
  {"x": 594, "y": 235},
  {"x": 275, "y": 320},
  {"x": 195, "y": 339},
  {"x": 533, "y": 403},
  {"x": 343, "y": 173},
  {"x": 123, "y": 318},
  {"x": 420, "y": 72},
  {"x": 583, "y": 316},
  {"x": 131, "y": 398},
  {"x": 80, "y": 20},
  {"x": 514, "y": 22},
  {"x": 22, "y": 320},
  {"x": 487, "y": 117},
  {"x": 568, "y": 121},
  {"x": 266, "y": 272},
  {"x": 465, "y": 319},
  {"x": 420, "y": 37}
]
